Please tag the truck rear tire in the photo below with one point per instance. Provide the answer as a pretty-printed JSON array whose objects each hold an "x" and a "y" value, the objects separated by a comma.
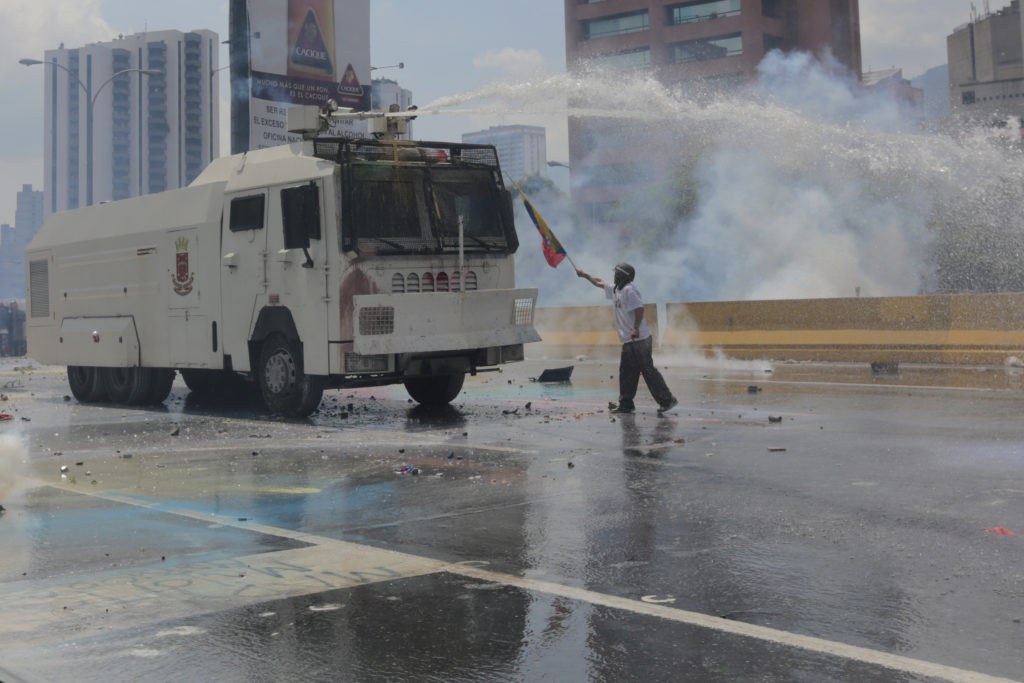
[
  {"x": 128, "y": 386},
  {"x": 286, "y": 389},
  {"x": 86, "y": 383},
  {"x": 203, "y": 382},
  {"x": 435, "y": 391}
]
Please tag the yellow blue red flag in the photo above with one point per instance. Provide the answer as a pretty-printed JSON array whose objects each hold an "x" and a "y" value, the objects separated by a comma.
[{"x": 553, "y": 250}]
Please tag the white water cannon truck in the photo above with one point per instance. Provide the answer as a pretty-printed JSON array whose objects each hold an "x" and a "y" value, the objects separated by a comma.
[{"x": 325, "y": 263}]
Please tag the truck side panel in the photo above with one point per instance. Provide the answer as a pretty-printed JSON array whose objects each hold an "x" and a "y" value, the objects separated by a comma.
[{"x": 138, "y": 261}]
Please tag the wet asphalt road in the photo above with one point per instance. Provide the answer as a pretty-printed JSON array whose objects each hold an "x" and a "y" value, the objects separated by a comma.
[{"x": 856, "y": 539}]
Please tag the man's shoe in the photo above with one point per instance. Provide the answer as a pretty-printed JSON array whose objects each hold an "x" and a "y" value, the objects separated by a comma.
[
  {"x": 619, "y": 409},
  {"x": 668, "y": 406}
]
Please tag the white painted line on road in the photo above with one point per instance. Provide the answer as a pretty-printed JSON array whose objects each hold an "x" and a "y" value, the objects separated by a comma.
[
  {"x": 738, "y": 628},
  {"x": 865, "y": 385},
  {"x": 181, "y": 590}
]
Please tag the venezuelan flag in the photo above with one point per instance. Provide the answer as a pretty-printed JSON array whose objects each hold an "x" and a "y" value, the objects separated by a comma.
[{"x": 553, "y": 250}]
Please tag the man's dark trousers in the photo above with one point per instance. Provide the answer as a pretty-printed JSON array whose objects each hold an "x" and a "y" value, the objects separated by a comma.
[{"x": 637, "y": 360}]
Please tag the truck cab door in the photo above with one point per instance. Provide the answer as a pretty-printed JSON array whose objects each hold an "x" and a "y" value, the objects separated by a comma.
[
  {"x": 244, "y": 271},
  {"x": 298, "y": 265}
]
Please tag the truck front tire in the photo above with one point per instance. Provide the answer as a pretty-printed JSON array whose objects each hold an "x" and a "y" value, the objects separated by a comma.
[
  {"x": 286, "y": 389},
  {"x": 435, "y": 391},
  {"x": 86, "y": 383}
]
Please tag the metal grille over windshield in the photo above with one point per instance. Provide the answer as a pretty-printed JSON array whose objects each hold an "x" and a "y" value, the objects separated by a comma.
[{"x": 412, "y": 198}]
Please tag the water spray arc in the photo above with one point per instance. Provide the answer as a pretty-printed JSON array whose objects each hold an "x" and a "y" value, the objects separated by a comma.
[{"x": 805, "y": 185}]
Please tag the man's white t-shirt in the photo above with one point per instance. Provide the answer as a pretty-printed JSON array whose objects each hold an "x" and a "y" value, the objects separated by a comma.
[{"x": 627, "y": 300}]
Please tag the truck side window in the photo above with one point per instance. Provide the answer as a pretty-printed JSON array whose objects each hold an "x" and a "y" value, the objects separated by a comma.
[
  {"x": 300, "y": 215},
  {"x": 246, "y": 213}
]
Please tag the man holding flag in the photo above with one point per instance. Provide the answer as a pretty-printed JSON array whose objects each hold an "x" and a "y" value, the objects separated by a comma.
[{"x": 635, "y": 335}]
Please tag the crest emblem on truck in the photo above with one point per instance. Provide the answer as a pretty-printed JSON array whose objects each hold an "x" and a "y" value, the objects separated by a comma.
[{"x": 182, "y": 278}]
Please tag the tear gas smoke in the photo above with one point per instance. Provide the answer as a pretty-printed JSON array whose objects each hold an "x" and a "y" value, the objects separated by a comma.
[
  {"x": 13, "y": 467},
  {"x": 801, "y": 184},
  {"x": 15, "y": 479}
]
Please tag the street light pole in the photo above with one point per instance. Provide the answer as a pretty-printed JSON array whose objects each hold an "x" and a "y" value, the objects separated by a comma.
[{"x": 90, "y": 98}]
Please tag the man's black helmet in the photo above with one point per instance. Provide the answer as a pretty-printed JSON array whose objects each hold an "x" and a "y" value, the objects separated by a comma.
[{"x": 626, "y": 272}]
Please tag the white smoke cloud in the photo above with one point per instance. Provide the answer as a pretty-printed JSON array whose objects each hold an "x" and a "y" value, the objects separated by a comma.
[
  {"x": 807, "y": 186},
  {"x": 29, "y": 27},
  {"x": 14, "y": 470}
]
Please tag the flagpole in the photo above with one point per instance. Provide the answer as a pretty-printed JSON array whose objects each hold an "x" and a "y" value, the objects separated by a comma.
[{"x": 520, "y": 191}]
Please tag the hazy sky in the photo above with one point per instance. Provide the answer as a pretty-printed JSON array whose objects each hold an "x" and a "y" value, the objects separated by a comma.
[{"x": 448, "y": 47}]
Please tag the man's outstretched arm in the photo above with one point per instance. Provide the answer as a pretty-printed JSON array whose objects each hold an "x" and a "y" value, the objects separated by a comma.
[{"x": 596, "y": 281}]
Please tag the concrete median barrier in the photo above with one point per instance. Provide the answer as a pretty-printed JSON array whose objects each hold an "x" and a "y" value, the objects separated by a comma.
[{"x": 955, "y": 328}]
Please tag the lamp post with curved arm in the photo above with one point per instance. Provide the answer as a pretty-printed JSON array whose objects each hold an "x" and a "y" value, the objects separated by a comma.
[{"x": 90, "y": 97}]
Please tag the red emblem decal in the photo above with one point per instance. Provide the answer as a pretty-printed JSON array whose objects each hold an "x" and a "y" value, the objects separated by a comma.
[{"x": 182, "y": 278}]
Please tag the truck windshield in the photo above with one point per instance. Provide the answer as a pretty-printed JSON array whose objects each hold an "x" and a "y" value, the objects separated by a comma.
[
  {"x": 469, "y": 196},
  {"x": 416, "y": 209}
]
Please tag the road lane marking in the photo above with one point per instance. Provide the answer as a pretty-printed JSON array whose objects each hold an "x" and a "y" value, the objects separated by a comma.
[
  {"x": 48, "y": 611},
  {"x": 65, "y": 607},
  {"x": 738, "y": 628}
]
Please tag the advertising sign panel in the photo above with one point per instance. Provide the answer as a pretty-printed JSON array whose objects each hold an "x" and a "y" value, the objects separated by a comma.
[{"x": 306, "y": 52}]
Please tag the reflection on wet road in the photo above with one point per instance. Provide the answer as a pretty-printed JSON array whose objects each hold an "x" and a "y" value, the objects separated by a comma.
[{"x": 522, "y": 533}]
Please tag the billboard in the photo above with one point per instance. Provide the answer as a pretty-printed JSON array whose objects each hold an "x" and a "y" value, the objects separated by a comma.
[{"x": 301, "y": 52}]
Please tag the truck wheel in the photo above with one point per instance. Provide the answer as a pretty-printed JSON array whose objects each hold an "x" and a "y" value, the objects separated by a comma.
[
  {"x": 160, "y": 389},
  {"x": 129, "y": 386},
  {"x": 286, "y": 389},
  {"x": 435, "y": 391},
  {"x": 86, "y": 384}
]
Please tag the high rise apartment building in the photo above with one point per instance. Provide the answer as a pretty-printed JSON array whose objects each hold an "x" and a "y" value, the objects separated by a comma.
[
  {"x": 152, "y": 128},
  {"x": 522, "y": 150},
  {"x": 986, "y": 65},
  {"x": 701, "y": 46},
  {"x": 28, "y": 218}
]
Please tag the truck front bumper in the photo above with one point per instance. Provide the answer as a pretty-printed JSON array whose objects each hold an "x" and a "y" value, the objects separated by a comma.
[{"x": 443, "y": 321}]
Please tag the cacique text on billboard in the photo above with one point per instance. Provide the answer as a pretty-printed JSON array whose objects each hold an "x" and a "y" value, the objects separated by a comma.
[{"x": 305, "y": 52}]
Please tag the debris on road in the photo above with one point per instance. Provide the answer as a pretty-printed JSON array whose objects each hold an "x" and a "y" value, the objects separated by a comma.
[
  {"x": 772, "y": 418},
  {"x": 776, "y": 449},
  {"x": 885, "y": 368},
  {"x": 656, "y": 600},
  {"x": 1001, "y": 530},
  {"x": 753, "y": 389},
  {"x": 554, "y": 375}
]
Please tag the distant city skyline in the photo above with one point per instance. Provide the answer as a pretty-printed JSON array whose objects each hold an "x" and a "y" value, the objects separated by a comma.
[{"x": 494, "y": 42}]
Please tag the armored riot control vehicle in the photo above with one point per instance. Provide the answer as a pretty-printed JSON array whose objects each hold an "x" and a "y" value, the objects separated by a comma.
[{"x": 325, "y": 263}]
